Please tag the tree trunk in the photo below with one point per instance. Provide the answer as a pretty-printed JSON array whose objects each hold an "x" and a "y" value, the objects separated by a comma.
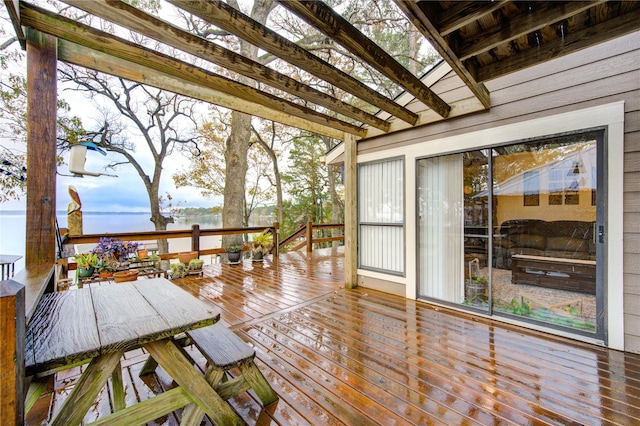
[
  {"x": 337, "y": 210},
  {"x": 235, "y": 157},
  {"x": 239, "y": 141}
]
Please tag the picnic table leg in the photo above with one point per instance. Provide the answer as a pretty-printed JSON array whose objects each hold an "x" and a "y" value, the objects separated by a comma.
[
  {"x": 86, "y": 389},
  {"x": 117, "y": 386},
  {"x": 192, "y": 414},
  {"x": 167, "y": 354}
]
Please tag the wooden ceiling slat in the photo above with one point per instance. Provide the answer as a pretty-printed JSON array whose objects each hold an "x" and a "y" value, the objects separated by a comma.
[
  {"x": 545, "y": 15},
  {"x": 426, "y": 26},
  {"x": 464, "y": 13},
  {"x": 224, "y": 16},
  {"x": 98, "y": 61},
  {"x": 13, "y": 9},
  {"x": 84, "y": 35},
  {"x": 321, "y": 16},
  {"x": 572, "y": 42},
  {"x": 137, "y": 20}
]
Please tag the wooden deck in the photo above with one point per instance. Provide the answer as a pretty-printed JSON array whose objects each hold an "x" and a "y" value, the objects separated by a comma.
[{"x": 363, "y": 357}]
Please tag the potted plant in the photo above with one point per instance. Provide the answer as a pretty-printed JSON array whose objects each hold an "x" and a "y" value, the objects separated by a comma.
[
  {"x": 106, "y": 267},
  {"x": 114, "y": 247},
  {"x": 196, "y": 264},
  {"x": 260, "y": 246},
  {"x": 234, "y": 253},
  {"x": 124, "y": 276},
  {"x": 179, "y": 270},
  {"x": 143, "y": 253},
  {"x": 185, "y": 257},
  {"x": 86, "y": 263}
]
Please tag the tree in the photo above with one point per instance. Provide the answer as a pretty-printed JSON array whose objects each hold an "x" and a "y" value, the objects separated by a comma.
[
  {"x": 306, "y": 182},
  {"x": 208, "y": 170},
  {"x": 13, "y": 115},
  {"x": 165, "y": 122}
]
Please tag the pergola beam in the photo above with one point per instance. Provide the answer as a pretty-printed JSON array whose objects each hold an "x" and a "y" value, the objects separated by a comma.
[
  {"x": 229, "y": 19},
  {"x": 98, "y": 61},
  {"x": 87, "y": 36},
  {"x": 589, "y": 36},
  {"x": 466, "y": 12},
  {"x": 522, "y": 25},
  {"x": 417, "y": 14},
  {"x": 321, "y": 16},
  {"x": 150, "y": 26}
]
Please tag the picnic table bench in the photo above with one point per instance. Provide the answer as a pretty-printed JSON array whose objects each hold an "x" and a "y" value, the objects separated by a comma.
[{"x": 98, "y": 324}]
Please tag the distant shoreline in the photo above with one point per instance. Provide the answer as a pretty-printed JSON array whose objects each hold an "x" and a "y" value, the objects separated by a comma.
[{"x": 63, "y": 212}]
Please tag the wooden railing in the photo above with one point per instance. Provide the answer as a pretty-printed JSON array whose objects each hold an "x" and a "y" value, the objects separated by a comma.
[
  {"x": 19, "y": 297},
  {"x": 195, "y": 234},
  {"x": 304, "y": 236}
]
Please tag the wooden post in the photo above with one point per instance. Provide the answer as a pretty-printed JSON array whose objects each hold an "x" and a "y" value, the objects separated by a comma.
[
  {"x": 42, "y": 75},
  {"x": 195, "y": 237},
  {"x": 12, "y": 355},
  {"x": 350, "y": 213},
  {"x": 309, "y": 237},
  {"x": 276, "y": 240}
]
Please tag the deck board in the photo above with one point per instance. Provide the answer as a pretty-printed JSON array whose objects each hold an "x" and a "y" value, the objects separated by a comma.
[{"x": 338, "y": 357}]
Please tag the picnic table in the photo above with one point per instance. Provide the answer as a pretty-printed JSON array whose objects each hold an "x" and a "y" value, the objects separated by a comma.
[
  {"x": 98, "y": 324},
  {"x": 8, "y": 261}
]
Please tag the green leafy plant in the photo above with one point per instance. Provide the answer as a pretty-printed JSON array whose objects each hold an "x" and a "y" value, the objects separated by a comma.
[
  {"x": 106, "y": 264},
  {"x": 261, "y": 246},
  {"x": 523, "y": 308},
  {"x": 179, "y": 270},
  {"x": 195, "y": 264},
  {"x": 86, "y": 260},
  {"x": 234, "y": 249}
]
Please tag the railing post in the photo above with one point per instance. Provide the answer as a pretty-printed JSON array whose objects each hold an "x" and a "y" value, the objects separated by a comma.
[
  {"x": 12, "y": 355},
  {"x": 309, "y": 237},
  {"x": 276, "y": 240},
  {"x": 195, "y": 237}
]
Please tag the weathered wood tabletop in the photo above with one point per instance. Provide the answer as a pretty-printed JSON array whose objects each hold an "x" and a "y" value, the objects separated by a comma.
[{"x": 98, "y": 324}]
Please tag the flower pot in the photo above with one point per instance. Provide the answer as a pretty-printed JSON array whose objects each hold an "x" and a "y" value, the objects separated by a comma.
[
  {"x": 105, "y": 274},
  {"x": 143, "y": 253},
  {"x": 124, "y": 276},
  {"x": 187, "y": 256},
  {"x": 234, "y": 256},
  {"x": 195, "y": 264},
  {"x": 84, "y": 273},
  {"x": 258, "y": 256}
]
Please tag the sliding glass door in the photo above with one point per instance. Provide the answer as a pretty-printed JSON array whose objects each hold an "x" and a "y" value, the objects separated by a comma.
[{"x": 513, "y": 230}]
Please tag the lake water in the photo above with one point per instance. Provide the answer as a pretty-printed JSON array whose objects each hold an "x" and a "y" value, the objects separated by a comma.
[{"x": 13, "y": 225}]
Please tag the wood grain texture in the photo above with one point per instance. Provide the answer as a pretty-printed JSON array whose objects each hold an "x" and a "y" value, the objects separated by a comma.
[
  {"x": 179, "y": 368},
  {"x": 229, "y": 19},
  {"x": 164, "y": 32},
  {"x": 221, "y": 346},
  {"x": 42, "y": 95},
  {"x": 95, "y": 39},
  {"x": 337, "y": 357},
  {"x": 63, "y": 330},
  {"x": 147, "y": 411},
  {"x": 86, "y": 389},
  {"x": 102, "y": 62},
  {"x": 12, "y": 352},
  {"x": 323, "y": 17},
  {"x": 37, "y": 280},
  {"x": 125, "y": 318},
  {"x": 175, "y": 305}
]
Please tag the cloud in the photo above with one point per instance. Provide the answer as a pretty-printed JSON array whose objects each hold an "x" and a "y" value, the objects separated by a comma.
[{"x": 127, "y": 191}]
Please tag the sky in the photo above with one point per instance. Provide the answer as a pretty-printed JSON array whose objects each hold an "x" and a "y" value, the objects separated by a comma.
[{"x": 124, "y": 193}]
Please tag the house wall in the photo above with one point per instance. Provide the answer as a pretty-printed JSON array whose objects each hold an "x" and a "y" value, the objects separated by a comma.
[{"x": 569, "y": 88}]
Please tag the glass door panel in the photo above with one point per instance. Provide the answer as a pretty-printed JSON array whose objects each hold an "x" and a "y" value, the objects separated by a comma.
[
  {"x": 510, "y": 231},
  {"x": 544, "y": 253}
]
